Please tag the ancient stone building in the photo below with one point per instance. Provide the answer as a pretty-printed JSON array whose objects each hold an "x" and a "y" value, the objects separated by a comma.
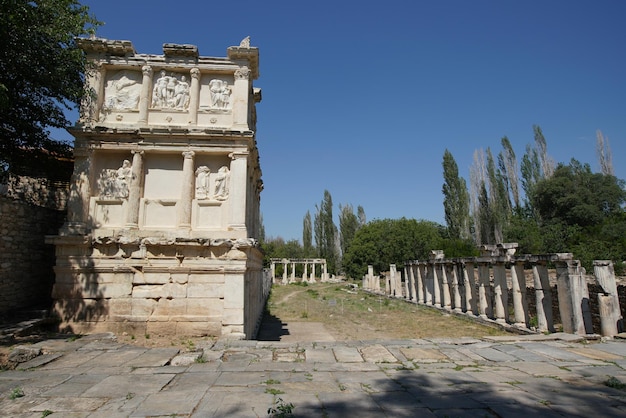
[{"x": 163, "y": 213}]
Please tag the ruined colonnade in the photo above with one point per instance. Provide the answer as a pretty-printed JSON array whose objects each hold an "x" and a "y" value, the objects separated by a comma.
[
  {"x": 308, "y": 275},
  {"x": 480, "y": 286}
]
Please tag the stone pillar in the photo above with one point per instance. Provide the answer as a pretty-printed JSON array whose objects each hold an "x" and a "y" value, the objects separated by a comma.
[
  {"x": 312, "y": 276},
  {"x": 324, "y": 272},
  {"x": 429, "y": 284},
  {"x": 194, "y": 96},
  {"x": 370, "y": 277},
  {"x": 484, "y": 290},
  {"x": 240, "y": 98},
  {"x": 79, "y": 196},
  {"x": 407, "y": 294},
  {"x": 470, "y": 289},
  {"x": 238, "y": 187},
  {"x": 144, "y": 95},
  {"x": 436, "y": 284},
  {"x": 285, "y": 281},
  {"x": 395, "y": 289},
  {"x": 611, "y": 319},
  {"x": 573, "y": 296},
  {"x": 304, "y": 272},
  {"x": 411, "y": 271},
  {"x": 91, "y": 105},
  {"x": 445, "y": 288},
  {"x": 293, "y": 273},
  {"x": 186, "y": 191},
  {"x": 501, "y": 293},
  {"x": 456, "y": 291},
  {"x": 273, "y": 270},
  {"x": 518, "y": 289},
  {"x": 134, "y": 190},
  {"x": 543, "y": 297},
  {"x": 420, "y": 282}
]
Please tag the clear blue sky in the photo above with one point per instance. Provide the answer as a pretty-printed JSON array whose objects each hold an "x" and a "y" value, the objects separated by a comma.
[{"x": 362, "y": 97}]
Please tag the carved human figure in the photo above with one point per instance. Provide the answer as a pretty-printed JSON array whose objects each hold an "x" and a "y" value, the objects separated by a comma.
[
  {"x": 220, "y": 93},
  {"x": 221, "y": 183},
  {"x": 159, "y": 93},
  {"x": 181, "y": 94},
  {"x": 122, "y": 93},
  {"x": 122, "y": 180},
  {"x": 202, "y": 182}
]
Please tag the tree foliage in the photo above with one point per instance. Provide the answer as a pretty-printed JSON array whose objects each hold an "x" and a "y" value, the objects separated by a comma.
[
  {"x": 455, "y": 199},
  {"x": 348, "y": 225},
  {"x": 41, "y": 71},
  {"x": 326, "y": 232},
  {"x": 390, "y": 241},
  {"x": 307, "y": 235}
]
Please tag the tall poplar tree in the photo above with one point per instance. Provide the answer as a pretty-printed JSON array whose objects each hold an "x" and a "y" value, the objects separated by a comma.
[
  {"x": 348, "y": 225},
  {"x": 456, "y": 199},
  {"x": 307, "y": 235},
  {"x": 326, "y": 231}
]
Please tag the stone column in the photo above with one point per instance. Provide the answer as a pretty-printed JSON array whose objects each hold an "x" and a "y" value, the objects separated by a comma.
[
  {"x": 240, "y": 98},
  {"x": 186, "y": 191},
  {"x": 411, "y": 271},
  {"x": 573, "y": 296},
  {"x": 80, "y": 195},
  {"x": 134, "y": 190},
  {"x": 484, "y": 290},
  {"x": 324, "y": 272},
  {"x": 470, "y": 289},
  {"x": 436, "y": 284},
  {"x": 501, "y": 293},
  {"x": 306, "y": 268},
  {"x": 429, "y": 283},
  {"x": 611, "y": 320},
  {"x": 420, "y": 282},
  {"x": 370, "y": 277},
  {"x": 194, "y": 96},
  {"x": 144, "y": 95},
  {"x": 238, "y": 187},
  {"x": 293, "y": 273},
  {"x": 285, "y": 281},
  {"x": 273, "y": 270},
  {"x": 518, "y": 289},
  {"x": 543, "y": 297},
  {"x": 91, "y": 105},
  {"x": 445, "y": 288},
  {"x": 456, "y": 291}
]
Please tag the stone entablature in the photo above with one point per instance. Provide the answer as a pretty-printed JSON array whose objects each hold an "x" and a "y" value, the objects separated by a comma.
[{"x": 164, "y": 204}]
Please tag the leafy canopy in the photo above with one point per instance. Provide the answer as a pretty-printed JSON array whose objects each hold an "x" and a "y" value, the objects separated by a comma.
[{"x": 41, "y": 71}]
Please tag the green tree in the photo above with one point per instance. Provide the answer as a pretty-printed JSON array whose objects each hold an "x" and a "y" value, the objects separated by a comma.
[
  {"x": 326, "y": 232},
  {"x": 348, "y": 225},
  {"x": 390, "y": 241},
  {"x": 507, "y": 164},
  {"x": 456, "y": 199},
  {"x": 307, "y": 235},
  {"x": 41, "y": 72}
]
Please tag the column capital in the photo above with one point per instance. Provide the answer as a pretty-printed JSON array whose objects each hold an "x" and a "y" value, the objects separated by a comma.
[
  {"x": 242, "y": 73},
  {"x": 137, "y": 151},
  {"x": 195, "y": 73},
  {"x": 188, "y": 154},
  {"x": 238, "y": 155},
  {"x": 146, "y": 70}
]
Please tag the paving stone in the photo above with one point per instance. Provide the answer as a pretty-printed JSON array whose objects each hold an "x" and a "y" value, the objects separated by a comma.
[
  {"x": 422, "y": 354},
  {"x": 121, "y": 386},
  {"x": 318, "y": 355},
  {"x": 377, "y": 354},
  {"x": 347, "y": 355},
  {"x": 154, "y": 357},
  {"x": 169, "y": 403},
  {"x": 492, "y": 354},
  {"x": 72, "y": 404}
]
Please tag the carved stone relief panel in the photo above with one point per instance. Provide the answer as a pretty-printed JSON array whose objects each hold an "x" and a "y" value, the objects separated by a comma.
[
  {"x": 170, "y": 91},
  {"x": 215, "y": 94},
  {"x": 122, "y": 91},
  {"x": 212, "y": 186},
  {"x": 114, "y": 183}
]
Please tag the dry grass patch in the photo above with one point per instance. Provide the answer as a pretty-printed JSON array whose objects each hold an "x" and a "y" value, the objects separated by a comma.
[{"x": 350, "y": 314}]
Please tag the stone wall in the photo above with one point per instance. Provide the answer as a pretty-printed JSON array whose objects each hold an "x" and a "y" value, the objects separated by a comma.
[{"x": 26, "y": 261}]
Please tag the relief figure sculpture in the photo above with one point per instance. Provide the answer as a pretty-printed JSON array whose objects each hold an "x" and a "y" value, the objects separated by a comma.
[
  {"x": 221, "y": 183},
  {"x": 202, "y": 182},
  {"x": 114, "y": 184},
  {"x": 170, "y": 93},
  {"x": 220, "y": 94},
  {"x": 122, "y": 92}
]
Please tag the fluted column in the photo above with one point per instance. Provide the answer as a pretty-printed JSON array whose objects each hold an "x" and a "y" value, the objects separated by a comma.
[
  {"x": 470, "y": 289},
  {"x": 304, "y": 276},
  {"x": 573, "y": 297},
  {"x": 238, "y": 188},
  {"x": 144, "y": 95},
  {"x": 445, "y": 288},
  {"x": 456, "y": 292},
  {"x": 273, "y": 270},
  {"x": 293, "y": 273},
  {"x": 518, "y": 289},
  {"x": 484, "y": 290},
  {"x": 285, "y": 281},
  {"x": 324, "y": 272},
  {"x": 501, "y": 297},
  {"x": 134, "y": 190},
  {"x": 186, "y": 195},
  {"x": 412, "y": 286},
  {"x": 543, "y": 297},
  {"x": 611, "y": 321},
  {"x": 436, "y": 284},
  {"x": 194, "y": 96}
]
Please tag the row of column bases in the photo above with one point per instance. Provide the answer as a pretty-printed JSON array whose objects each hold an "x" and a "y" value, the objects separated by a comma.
[
  {"x": 307, "y": 276},
  {"x": 451, "y": 284}
]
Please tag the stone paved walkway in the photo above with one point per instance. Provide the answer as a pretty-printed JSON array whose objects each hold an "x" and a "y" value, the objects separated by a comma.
[{"x": 95, "y": 376}]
